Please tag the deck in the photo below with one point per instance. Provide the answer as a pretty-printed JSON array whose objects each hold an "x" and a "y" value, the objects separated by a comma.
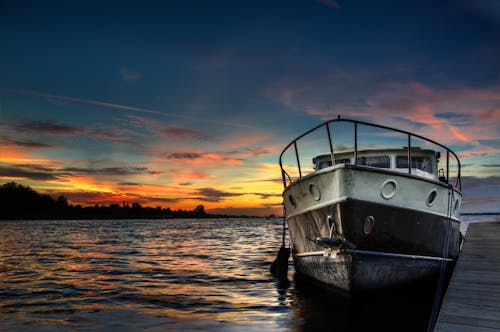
[{"x": 472, "y": 301}]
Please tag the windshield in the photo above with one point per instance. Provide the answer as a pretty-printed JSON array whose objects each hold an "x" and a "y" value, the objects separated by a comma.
[
  {"x": 375, "y": 161},
  {"x": 422, "y": 163}
]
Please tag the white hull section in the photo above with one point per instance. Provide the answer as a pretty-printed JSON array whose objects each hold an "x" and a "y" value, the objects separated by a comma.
[{"x": 336, "y": 184}]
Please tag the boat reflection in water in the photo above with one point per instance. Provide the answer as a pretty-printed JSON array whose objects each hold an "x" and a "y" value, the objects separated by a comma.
[
  {"x": 315, "y": 308},
  {"x": 377, "y": 212}
]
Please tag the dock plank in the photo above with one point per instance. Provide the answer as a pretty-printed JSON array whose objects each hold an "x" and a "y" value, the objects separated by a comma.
[
  {"x": 452, "y": 327},
  {"x": 472, "y": 300}
]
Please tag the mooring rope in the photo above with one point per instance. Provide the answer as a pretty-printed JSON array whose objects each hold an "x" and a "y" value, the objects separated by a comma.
[
  {"x": 437, "y": 297},
  {"x": 284, "y": 228}
]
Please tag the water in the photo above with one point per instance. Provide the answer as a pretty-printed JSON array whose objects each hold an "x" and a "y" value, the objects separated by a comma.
[
  {"x": 468, "y": 219},
  {"x": 174, "y": 275}
]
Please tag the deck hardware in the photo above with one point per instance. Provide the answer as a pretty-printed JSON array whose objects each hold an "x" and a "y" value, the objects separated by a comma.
[
  {"x": 456, "y": 206},
  {"x": 331, "y": 225}
]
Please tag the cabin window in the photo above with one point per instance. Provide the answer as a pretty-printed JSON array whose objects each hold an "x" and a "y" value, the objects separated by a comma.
[
  {"x": 422, "y": 163},
  {"x": 324, "y": 164},
  {"x": 375, "y": 161},
  {"x": 346, "y": 161}
]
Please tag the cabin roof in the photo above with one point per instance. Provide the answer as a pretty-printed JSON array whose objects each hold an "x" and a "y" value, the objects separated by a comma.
[{"x": 380, "y": 151}]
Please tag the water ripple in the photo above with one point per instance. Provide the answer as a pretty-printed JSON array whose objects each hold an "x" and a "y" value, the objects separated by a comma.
[
  {"x": 53, "y": 271},
  {"x": 165, "y": 275}
]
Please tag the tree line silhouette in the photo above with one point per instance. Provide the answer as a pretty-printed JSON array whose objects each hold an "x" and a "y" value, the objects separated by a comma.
[{"x": 21, "y": 202}]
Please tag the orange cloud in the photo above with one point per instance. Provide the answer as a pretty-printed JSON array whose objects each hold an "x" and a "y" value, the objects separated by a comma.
[
  {"x": 188, "y": 175},
  {"x": 433, "y": 113},
  {"x": 197, "y": 157},
  {"x": 460, "y": 136}
]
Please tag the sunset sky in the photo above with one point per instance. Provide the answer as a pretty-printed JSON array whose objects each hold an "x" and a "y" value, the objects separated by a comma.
[{"x": 180, "y": 103}]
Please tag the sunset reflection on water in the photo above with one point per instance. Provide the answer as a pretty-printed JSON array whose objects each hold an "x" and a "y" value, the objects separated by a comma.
[
  {"x": 171, "y": 275},
  {"x": 57, "y": 273}
]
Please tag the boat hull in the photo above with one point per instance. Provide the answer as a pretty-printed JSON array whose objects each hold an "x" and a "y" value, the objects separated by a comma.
[
  {"x": 375, "y": 216},
  {"x": 403, "y": 246},
  {"x": 358, "y": 273}
]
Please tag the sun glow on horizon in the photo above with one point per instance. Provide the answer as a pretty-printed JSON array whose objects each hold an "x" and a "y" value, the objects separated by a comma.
[{"x": 129, "y": 112}]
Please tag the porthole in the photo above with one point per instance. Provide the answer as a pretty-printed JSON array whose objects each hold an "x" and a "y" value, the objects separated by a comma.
[
  {"x": 315, "y": 192},
  {"x": 368, "y": 224},
  {"x": 431, "y": 197},
  {"x": 389, "y": 188},
  {"x": 292, "y": 201}
]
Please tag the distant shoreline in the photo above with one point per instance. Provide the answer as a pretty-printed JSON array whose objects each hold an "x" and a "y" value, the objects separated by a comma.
[
  {"x": 18, "y": 202},
  {"x": 2, "y": 219}
]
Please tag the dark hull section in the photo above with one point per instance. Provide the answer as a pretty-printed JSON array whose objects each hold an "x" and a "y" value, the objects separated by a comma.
[
  {"x": 359, "y": 273},
  {"x": 404, "y": 246}
]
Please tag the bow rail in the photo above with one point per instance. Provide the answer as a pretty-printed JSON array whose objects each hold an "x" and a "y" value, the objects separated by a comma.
[{"x": 444, "y": 173}]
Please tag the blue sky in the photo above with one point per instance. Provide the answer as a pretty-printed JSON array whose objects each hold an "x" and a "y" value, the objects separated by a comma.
[{"x": 187, "y": 102}]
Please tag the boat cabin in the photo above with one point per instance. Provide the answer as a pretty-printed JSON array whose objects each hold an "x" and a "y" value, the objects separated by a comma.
[{"x": 423, "y": 162}]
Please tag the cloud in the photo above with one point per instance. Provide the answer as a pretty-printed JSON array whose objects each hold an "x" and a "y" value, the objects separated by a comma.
[
  {"x": 108, "y": 137},
  {"x": 493, "y": 143},
  {"x": 176, "y": 131},
  {"x": 258, "y": 151},
  {"x": 214, "y": 195},
  {"x": 454, "y": 115},
  {"x": 29, "y": 172},
  {"x": 457, "y": 119},
  {"x": 130, "y": 77},
  {"x": 36, "y": 172},
  {"x": 48, "y": 126},
  {"x": 185, "y": 155},
  {"x": 252, "y": 152},
  {"x": 276, "y": 180},
  {"x": 196, "y": 157},
  {"x": 51, "y": 97},
  {"x": 29, "y": 144},
  {"x": 110, "y": 171},
  {"x": 187, "y": 175},
  {"x": 479, "y": 152},
  {"x": 266, "y": 196},
  {"x": 165, "y": 129}
]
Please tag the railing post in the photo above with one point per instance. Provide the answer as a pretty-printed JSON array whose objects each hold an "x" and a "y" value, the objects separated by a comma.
[
  {"x": 283, "y": 177},
  {"x": 447, "y": 166},
  {"x": 330, "y": 142},
  {"x": 409, "y": 154},
  {"x": 355, "y": 143},
  {"x": 297, "y": 156}
]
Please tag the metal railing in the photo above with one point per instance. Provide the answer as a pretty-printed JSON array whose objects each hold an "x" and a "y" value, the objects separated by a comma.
[{"x": 356, "y": 123}]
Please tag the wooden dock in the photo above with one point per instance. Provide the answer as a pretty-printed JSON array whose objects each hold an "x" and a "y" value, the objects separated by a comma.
[{"x": 472, "y": 301}]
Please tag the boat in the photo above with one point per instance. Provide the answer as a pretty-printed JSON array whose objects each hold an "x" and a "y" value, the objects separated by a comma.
[{"x": 370, "y": 216}]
